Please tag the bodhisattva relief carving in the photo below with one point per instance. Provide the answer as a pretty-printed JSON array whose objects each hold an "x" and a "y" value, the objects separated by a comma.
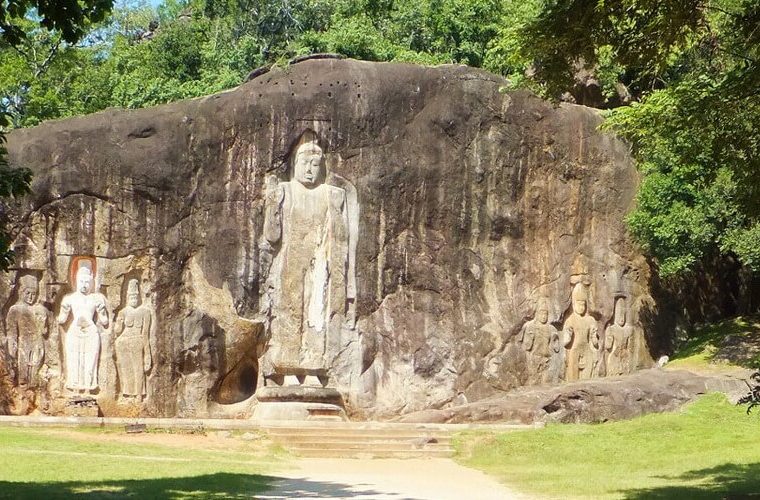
[
  {"x": 28, "y": 324},
  {"x": 581, "y": 336},
  {"x": 617, "y": 341},
  {"x": 541, "y": 341},
  {"x": 133, "y": 352},
  {"x": 88, "y": 314},
  {"x": 311, "y": 283}
]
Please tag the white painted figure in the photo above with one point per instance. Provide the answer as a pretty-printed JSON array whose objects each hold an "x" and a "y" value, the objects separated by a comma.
[
  {"x": 133, "y": 355},
  {"x": 89, "y": 313}
]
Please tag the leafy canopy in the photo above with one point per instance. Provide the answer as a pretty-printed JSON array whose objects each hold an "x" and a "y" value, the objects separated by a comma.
[
  {"x": 18, "y": 18},
  {"x": 70, "y": 18},
  {"x": 694, "y": 65}
]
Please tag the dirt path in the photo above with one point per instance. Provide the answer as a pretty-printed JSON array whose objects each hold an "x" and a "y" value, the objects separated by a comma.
[
  {"x": 386, "y": 479},
  {"x": 256, "y": 444}
]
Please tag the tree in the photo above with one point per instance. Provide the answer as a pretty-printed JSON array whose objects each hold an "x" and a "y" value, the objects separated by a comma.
[
  {"x": 145, "y": 55},
  {"x": 429, "y": 31},
  {"x": 752, "y": 398},
  {"x": 695, "y": 67},
  {"x": 69, "y": 19}
]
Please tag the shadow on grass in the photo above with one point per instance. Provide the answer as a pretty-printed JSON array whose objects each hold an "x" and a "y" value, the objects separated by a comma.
[
  {"x": 729, "y": 481},
  {"x": 735, "y": 340},
  {"x": 220, "y": 485}
]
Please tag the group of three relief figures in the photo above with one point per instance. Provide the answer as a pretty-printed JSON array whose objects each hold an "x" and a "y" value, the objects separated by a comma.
[
  {"x": 35, "y": 338},
  {"x": 578, "y": 351}
]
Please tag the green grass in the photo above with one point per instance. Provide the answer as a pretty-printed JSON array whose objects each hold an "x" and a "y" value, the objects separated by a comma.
[
  {"x": 708, "y": 450},
  {"x": 737, "y": 340},
  {"x": 39, "y": 463}
]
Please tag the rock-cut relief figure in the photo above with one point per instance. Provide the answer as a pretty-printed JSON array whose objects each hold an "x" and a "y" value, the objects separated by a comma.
[
  {"x": 311, "y": 281},
  {"x": 581, "y": 337},
  {"x": 617, "y": 341},
  {"x": 28, "y": 324},
  {"x": 540, "y": 339},
  {"x": 89, "y": 314},
  {"x": 133, "y": 355}
]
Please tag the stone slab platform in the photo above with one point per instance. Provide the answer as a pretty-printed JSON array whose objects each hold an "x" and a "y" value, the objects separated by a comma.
[{"x": 241, "y": 424}]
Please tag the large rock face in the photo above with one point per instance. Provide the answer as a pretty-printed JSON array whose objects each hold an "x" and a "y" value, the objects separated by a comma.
[
  {"x": 592, "y": 401},
  {"x": 441, "y": 215}
]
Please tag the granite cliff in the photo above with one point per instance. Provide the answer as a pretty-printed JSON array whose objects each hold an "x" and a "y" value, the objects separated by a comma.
[{"x": 469, "y": 241}]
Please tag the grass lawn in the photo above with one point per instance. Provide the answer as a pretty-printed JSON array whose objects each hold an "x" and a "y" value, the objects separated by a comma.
[
  {"x": 63, "y": 463},
  {"x": 713, "y": 348},
  {"x": 710, "y": 449}
]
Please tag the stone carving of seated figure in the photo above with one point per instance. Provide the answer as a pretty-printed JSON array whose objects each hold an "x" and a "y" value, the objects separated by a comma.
[
  {"x": 617, "y": 341},
  {"x": 581, "y": 337},
  {"x": 541, "y": 341},
  {"x": 309, "y": 282},
  {"x": 88, "y": 313},
  {"x": 133, "y": 356},
  {"x": 28, "y": 323}
]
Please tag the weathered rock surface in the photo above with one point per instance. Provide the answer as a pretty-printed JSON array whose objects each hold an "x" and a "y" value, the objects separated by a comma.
[
  {"x": 466, "y": 207},
  {"x": 602, "y": 400}
]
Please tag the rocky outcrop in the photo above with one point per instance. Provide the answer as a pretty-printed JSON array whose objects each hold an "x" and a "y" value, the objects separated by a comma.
[
  {"x": 618, "y": 398},
  {"x": 387, "y": 229}
]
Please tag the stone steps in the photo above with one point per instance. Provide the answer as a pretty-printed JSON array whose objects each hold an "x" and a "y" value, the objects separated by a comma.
[
  {"x": 353, "y": 448},
  {"x": 312, "y": 438},
  {"x": 361, "y": 440},
  {"x": 347, "y": 440},
  {"x": 353, "y": 438},
  {"x": 347, "y": 444},
  {"x": 316, "y": 425},
  {"x": 230, "y": 424},
  {"x": 372, "y": 453},
  {"x": 359, "y": 433}
]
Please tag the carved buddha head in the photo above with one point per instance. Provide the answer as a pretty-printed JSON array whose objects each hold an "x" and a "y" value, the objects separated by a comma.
[
  {"x": 580, "y": 299},
  {"x": 620, "y": 311},
  {"x": 28, "y": 289},
  {"x": 542, "y": 311},
  {"x": 308, "y": 164},
  {"x": 133, "y": 293},
  {"x": 84, "y": 280}
]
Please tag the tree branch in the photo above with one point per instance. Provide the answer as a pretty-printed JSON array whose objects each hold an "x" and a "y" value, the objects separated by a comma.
[
  {"x": 723, "y": 11},
  {"x": 738, "y": 56},
  {"x": 42, "y": 67}
]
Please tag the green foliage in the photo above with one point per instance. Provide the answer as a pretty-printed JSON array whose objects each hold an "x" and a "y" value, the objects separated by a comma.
[
  {"x": 176, "y": 51},
  {"x": 430, "y": 31},
  {"x": 51, "y": 24},
  {"x": 752, "y": 398},
  {"x": 270, "y": 25},
  {"x": 744, "y": 243},
  {"x": 126, "y": 62},
  {"x": 640, "y": 35},
  {"x": 504, "y": 54},
  {"x": 142, "y": 56},
  {"x": 355, "y": 36},
  {"x": 697, "y": 147},
  {"x": 70, "y": 18},
  {"x": 694, "y": 66}
]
